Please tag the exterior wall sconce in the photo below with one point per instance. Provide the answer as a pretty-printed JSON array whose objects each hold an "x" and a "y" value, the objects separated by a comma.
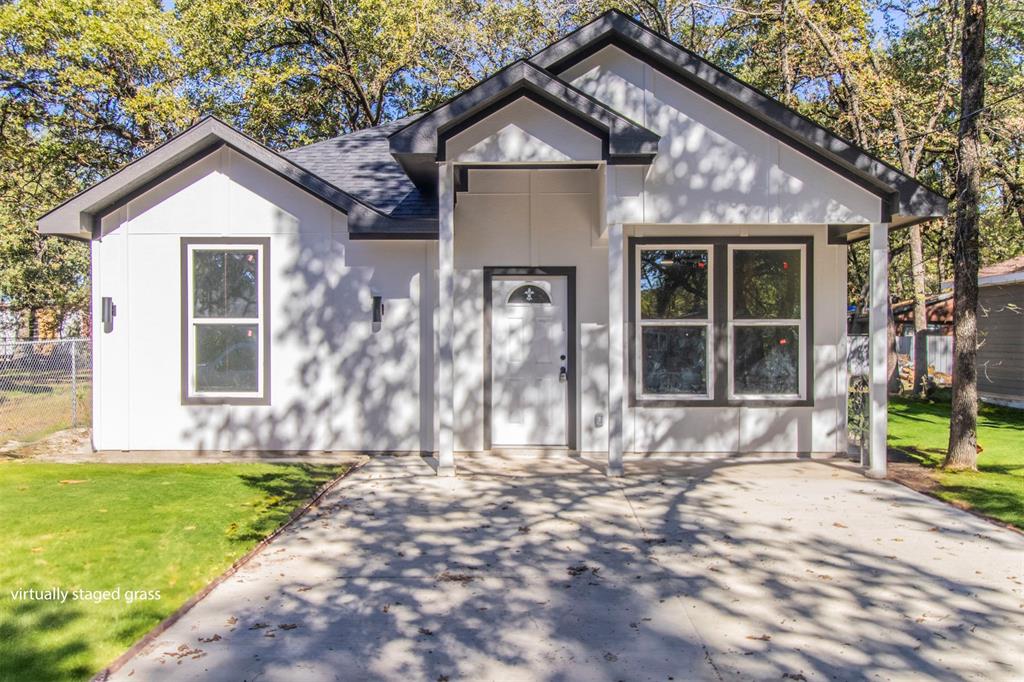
[
  {"x": 378, "y": 312},
  {"x": 109, "y": 311}
]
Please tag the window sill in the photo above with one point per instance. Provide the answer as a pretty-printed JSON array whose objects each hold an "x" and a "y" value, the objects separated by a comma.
[
  {"x": 766, "y": 402},
  {"x": 225, "y": 400}
]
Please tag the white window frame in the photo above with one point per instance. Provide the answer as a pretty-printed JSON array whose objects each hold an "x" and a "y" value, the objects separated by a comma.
[
  {"x": 800, "y": 323},
  {"x": 708, "y": 324},
  {"x": 193, "y": 322}
]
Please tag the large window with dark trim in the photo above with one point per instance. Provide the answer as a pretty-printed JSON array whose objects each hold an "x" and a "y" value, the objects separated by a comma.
[
  {"x": 225, "y": 320},
  {"x": 674, "y": 333},
  {"x": 723, "y": 322}
]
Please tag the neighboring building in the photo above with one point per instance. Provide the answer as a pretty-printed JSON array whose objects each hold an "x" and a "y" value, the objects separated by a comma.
[
  {"x": 939, "y": 314},
  {"x": 1001, "y": 333},
  {"x": 939, "y": 308},
  {"x": 611, "y": 247}
]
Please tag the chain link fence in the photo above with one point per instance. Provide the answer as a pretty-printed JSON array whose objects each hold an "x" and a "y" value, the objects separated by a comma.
[{"x": 45, "y": 386}]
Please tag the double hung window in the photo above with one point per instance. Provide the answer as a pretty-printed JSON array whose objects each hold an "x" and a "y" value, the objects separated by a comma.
[{"x": 225, "y": 321}]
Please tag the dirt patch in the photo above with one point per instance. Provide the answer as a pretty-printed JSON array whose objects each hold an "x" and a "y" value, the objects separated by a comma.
[
  {"x": 62, "y": 444},
  {"x": 914, "y": 476}
]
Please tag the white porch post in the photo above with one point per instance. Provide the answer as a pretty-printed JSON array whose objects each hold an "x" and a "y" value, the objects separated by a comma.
[
  {"x": 616, "y": 325},
  {"x": 446, "y": 320},
  {"x": 878, "y": 355}
]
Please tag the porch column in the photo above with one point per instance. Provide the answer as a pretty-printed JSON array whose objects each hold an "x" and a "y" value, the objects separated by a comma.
[
  {"x": 878, "y": 352},
  {"x": 616, "y": 325},
  {"x": 446, "y": 320}
]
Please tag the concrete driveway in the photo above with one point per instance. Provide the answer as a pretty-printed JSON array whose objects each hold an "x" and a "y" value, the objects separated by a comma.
[{"x": 547, "y": 570}]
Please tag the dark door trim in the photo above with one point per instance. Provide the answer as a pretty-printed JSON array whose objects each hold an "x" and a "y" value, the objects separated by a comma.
[{"x": 570, "y": 284}]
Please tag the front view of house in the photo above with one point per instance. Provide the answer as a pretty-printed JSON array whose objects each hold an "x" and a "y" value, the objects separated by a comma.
[{"x": 611, "y": 247}]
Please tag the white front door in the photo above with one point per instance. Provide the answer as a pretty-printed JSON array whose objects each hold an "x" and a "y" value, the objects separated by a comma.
[{"x": 529, "y": 367}]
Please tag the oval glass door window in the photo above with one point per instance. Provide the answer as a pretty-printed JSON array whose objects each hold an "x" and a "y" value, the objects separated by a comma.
[{"x": 528, "y": 294}]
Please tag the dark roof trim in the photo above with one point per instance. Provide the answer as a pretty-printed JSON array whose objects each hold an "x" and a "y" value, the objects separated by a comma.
[
  {"x": 78, "y": 216},
  {"x": 366, "y": 223},
  {"x": 75, "y": 217},
  {"x": 524, "y": 93},
  {"x": 839, "y": 235},
  {"x": 420, "y": 144},
  {"x": 903, "y": 195}
]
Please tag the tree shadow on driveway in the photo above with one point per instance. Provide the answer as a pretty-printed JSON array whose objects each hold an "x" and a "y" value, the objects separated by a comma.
[{"x": 550, "y": 571}]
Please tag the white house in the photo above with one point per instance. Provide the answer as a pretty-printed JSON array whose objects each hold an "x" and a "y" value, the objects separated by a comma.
[{"x": 611, "y": 247}]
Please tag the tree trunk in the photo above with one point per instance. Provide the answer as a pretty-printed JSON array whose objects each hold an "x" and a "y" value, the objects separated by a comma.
[
  {"x": 963, "y": 423},
  {"x": 920, "y": 309}
]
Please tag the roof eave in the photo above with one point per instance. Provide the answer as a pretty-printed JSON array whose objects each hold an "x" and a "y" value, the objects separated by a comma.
[
  {"x": 913, "y": 200},
  {"x": 417, "y": 145},
  {"x": 77, "y": 216}
]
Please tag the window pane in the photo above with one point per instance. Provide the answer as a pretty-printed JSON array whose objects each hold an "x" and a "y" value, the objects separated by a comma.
[
  {"x": 674, "y": 284},
  {"x": 766, "y": 360},
  {"x": 766, "y": 284},
  {"x": 225, "y": 283},
  {"x": 227, "y": 357},
  {"x": 674, "y": 360},
  {"x": 529, "y": 293}
]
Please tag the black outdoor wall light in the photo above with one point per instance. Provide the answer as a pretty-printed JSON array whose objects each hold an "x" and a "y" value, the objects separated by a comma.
[
  {"x": 108, "y": 312},
  {"x": 378, "y": 312}
]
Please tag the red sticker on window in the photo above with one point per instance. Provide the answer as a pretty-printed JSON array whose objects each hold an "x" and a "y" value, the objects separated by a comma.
[
  {"x": 248, "y": 333},
  {"x": 785, "y": 265},
  {"x": 782, "y": 342}
]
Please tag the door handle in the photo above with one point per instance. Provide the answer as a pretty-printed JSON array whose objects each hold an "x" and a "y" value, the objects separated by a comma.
[{"x": 563, "y": 375}]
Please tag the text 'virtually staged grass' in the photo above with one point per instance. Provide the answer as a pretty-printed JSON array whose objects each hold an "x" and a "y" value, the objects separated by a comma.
[
  {"x": 920, "y": 428},
  {"x": 87, "y": 547}
]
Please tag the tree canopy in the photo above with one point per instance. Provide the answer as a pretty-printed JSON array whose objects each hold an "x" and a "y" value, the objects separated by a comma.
[{"x": 88, "y": 85}]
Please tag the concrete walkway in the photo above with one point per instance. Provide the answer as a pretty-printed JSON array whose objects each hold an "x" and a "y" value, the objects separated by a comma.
[{"x": 548, "y": 570}]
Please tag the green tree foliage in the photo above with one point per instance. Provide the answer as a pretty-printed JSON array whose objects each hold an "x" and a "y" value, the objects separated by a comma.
[{"x": 87, "y": 85}]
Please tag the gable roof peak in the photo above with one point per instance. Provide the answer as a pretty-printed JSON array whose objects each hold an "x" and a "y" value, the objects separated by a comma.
[{"x": 907, "y": 199}]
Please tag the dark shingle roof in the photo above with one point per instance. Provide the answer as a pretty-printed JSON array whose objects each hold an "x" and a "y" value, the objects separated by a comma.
[{"x": 361, "y": 164}]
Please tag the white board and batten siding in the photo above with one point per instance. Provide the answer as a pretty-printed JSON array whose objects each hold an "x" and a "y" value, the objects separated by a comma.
[
  {"x": 712, "y": 166},
  {"x": 547, "y": 218},
  {"x": 336, "y": 384}
]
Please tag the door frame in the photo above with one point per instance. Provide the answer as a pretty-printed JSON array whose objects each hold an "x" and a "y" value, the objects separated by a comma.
[{"x": 569, "y": 272}]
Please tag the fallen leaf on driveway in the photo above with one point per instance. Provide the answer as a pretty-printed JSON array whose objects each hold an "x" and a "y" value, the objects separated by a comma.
[
  {"x": 258, "y": 626},
  {"x": 207, "y": 640},
  {"x": 287, "y": 626},
  {"x": 760, "y": 638},
  {"x": 185, "y": 651},
  {"x": 447, "y": 577}
]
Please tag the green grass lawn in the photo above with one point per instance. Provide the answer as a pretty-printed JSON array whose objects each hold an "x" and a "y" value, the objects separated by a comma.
[
  {"x": 171, "y": 528},
  {"x": 921, "y": 429}
]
